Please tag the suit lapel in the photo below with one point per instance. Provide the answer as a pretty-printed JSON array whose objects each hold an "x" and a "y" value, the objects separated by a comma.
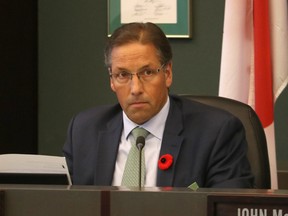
[
  {"x": 108, "y": 143},
  {"x": 171, "y": 144}
]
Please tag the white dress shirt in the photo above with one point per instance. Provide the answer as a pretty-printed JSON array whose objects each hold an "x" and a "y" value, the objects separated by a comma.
[{"x": 155, "y": 126}]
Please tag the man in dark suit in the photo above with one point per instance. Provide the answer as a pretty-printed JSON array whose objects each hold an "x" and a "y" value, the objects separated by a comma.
[{"x": 187, "y": 142}]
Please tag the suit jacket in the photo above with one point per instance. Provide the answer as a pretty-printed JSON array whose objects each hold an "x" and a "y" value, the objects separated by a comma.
[{"x": 208, "y": 146}]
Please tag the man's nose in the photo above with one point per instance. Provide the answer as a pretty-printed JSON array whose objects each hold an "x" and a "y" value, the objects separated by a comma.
[{"x": 136, "y": 84}]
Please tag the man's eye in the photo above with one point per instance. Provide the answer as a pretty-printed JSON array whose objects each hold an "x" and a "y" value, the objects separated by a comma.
[
  {"x": 123, "y": 75},
  {"x": 148, "y": 72}
]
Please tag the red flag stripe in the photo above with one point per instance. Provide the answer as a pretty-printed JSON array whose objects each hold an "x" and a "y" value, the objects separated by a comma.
[{"x": 264, "y": 103}]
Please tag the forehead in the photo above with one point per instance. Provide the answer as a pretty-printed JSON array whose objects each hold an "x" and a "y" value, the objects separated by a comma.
[{"x": 134, "y": 54}]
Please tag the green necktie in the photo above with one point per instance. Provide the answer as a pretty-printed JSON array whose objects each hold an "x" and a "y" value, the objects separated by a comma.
[{"x": 131, "y": 171}]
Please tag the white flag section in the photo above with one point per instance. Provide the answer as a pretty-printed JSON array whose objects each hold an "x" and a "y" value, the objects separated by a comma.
[
  {"x": 253, "y": 56},
  {"x": 236, "y": 60}
]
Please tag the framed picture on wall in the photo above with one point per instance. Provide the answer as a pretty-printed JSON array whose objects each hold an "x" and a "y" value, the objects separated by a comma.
[{"x": 172, "y": 16}]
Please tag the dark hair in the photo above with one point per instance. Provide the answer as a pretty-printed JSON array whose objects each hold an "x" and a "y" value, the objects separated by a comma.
[{"x": 145, "y": 33}]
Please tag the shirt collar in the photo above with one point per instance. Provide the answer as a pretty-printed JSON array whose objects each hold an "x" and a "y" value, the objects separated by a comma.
[{"x": 155, "y": 125}]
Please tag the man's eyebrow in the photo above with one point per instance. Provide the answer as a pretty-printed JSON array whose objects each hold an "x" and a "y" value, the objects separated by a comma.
[
  {"x": 145, "y": 66},
  {"x": 141, "y": 68},
  {"x": 120, "y": 68}
]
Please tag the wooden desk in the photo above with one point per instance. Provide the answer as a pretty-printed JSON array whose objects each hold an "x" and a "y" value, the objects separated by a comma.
[{"x": 32, "y": 200}]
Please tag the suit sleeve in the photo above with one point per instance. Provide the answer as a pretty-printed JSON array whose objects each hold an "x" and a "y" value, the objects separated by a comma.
[{"x": 67, "y": 149}]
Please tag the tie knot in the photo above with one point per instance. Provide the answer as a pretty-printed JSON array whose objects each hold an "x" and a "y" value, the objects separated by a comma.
[{"x": 136, "y": 132}]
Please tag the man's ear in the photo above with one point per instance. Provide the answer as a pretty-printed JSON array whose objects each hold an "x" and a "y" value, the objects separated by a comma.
[
  {"x": 112, "y": 85},
  {"x": 169, "y": 74}
]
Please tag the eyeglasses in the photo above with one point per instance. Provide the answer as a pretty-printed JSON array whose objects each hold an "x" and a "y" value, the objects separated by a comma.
[{"x": 146, "y": 74}]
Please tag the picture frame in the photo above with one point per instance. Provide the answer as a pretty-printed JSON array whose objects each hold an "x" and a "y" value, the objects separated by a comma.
[{"x": 172, "y": 16}]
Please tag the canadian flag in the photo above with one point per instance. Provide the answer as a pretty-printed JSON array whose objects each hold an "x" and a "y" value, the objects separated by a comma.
[{"x": 254, "y": 62}]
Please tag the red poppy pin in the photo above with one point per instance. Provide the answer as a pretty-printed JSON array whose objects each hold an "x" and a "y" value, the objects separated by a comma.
[{"x": 165, "y": 161}]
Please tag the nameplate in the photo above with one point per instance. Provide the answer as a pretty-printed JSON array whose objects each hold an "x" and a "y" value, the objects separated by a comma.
[
  {"x": 2, "y": 203},
  {"x": 247, "y": 205}
]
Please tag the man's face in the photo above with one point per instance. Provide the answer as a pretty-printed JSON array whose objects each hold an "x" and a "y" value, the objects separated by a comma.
[{"x": 140, "y": 99}]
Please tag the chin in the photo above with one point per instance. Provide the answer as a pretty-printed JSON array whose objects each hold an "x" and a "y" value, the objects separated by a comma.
[{"x": 140, "y": 120}]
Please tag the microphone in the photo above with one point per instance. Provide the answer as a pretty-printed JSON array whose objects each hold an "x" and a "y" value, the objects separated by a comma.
[{"x": 140, "y": 143}]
